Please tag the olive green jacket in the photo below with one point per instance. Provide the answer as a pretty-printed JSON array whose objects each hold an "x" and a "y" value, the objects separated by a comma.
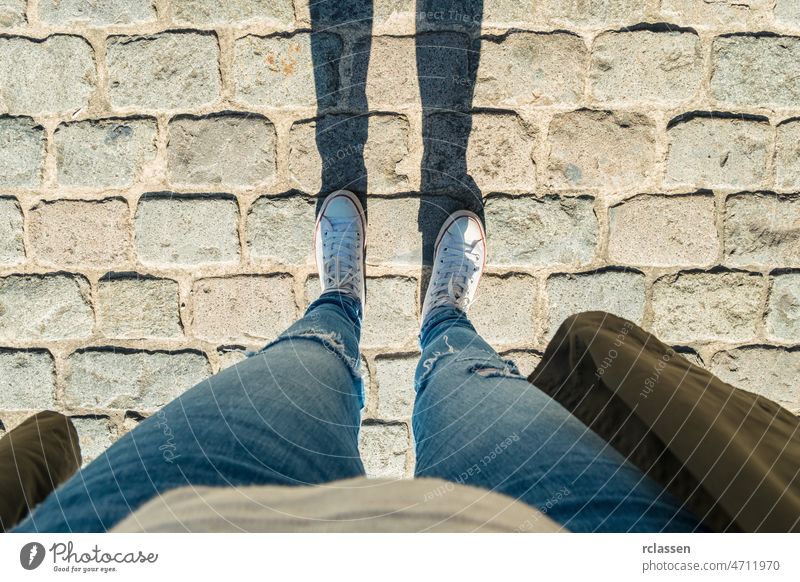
[
  {"x": 732, "y": 456},
  {"x": 35, "y": 458}
]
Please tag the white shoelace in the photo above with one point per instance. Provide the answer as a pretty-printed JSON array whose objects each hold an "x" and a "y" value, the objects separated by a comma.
[
  {"x": 457, "y": 266},
  {"x": 341, "y": 242}
]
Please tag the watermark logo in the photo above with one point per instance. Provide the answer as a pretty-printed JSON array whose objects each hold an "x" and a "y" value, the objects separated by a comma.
[{"x": 31, "y": 555}]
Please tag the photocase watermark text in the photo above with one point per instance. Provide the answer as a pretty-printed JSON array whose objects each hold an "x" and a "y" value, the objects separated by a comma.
[
  {"x": 168, "y": 448},
  {"x": 65, "y": 553}
]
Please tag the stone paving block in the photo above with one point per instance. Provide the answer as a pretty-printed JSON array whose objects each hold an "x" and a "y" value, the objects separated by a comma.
[
  {"x": 783, "y": 311},
  {"x": 619, "y": 292},
  {"x": 383, "y": 450},
  {"x": 756, "y": 71},
  {"x": 531, "y": 69},
  {"x": 393, "y": 232},
  {"x": 402, "y": 231},
  {"x": 503, "y": 312},
  {"x": 395, "y": 58},
  {"x": 646, "y": 66},
  {"x": 44, "y": 307},
  {"x": 771, "y": 372},
  {"x": 50, "y": 76},
  {"x": 435, "y": 63},
  {"x": 601, "y": 149},
  {"x": 21, "y": 152},
  {"x": 593, "y": 13},
  {"x": 243, "y": 308},
  {"x": 394, "y": 377},
  {"x": 311, "y": 291},
  {"x": 787, "y": 155},
  {"x": 466, "y": 15},
  {"x": 393, "y": 321},
  {"x": 281, "y": 230},
  {"x": 449, "y": 147},
  {"x": 341, "y": 14},
  {"x": 500, "y": 154},
  {"x": 664, "y": 231},
  {"x": 787, "y": 12},
  {"x": 333, "y": 152},
  {"x": 357, "y": 58},
  {"x": 230, "y": 357},
  {"x": 125, "y": 379},
  {"x": 506, "y": 12},
  {"x": 387, "y": 155},
  {"x": 95, "y": 234},
  {"x": 96, "y": 12},
  {"x": 478, "y": 153},
  {"x": 718, "y": 152},
  {"x": 133, "y": 306},
  {"x": 539, "y": 232},
  {"x": 399, "y": 228},
  {"x": 279, "y": 72},
  {"x": 717, "y": 13},
  {"x": 27, "y": 380},
  {"x": 12, "y": 249},
  {"x": 12, "y": 13},
  {"x": 104, "y": 153},
  {"x": 95, "y": 435},
  {"x": 165, "y": 71},
  {"x": 221, "y": 150},
  {"x": 187, "y": 230},
  {"x": 707, "y": 306},
  {"x": 762, "y": 230},
  {"x": 235, "y": 12}
]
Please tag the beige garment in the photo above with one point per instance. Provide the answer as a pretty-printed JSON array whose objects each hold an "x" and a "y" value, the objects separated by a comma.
[{"x": 351, "y": 505}]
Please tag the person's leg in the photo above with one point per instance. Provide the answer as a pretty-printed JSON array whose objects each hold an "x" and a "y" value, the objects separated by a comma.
[
  {"x": 289, "y": 414},
  {"x": 479, "y": 422}
]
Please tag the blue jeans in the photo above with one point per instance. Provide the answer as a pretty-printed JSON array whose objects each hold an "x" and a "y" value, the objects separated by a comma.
[{"x": 291, "y": 413}]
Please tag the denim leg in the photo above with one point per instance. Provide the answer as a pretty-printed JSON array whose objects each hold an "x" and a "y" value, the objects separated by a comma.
[
  {"x": 288, "y": 415},
  {"x": 478, "y": 421}
]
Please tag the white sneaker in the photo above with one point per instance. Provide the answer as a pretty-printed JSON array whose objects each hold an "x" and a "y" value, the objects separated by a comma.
[
  {"x": 459, "y": 259},
  {"x": 340, "y": 246}
]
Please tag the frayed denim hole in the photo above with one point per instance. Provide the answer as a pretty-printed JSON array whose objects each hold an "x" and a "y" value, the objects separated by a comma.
[
  {"x": 429, "y": 366},
  {"x": 508, "y": 370},
  {"x": 331, "y": 342}
]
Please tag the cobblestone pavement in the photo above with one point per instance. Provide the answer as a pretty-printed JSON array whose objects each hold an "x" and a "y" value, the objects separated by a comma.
[{"x": 159, "y": 162}]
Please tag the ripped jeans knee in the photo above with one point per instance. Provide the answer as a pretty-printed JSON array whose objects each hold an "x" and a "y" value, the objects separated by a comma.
[
  {"x": 492, "y": 370},
  {"x": 333, "y": 343},
  {"x": 486, "y": 365}
]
